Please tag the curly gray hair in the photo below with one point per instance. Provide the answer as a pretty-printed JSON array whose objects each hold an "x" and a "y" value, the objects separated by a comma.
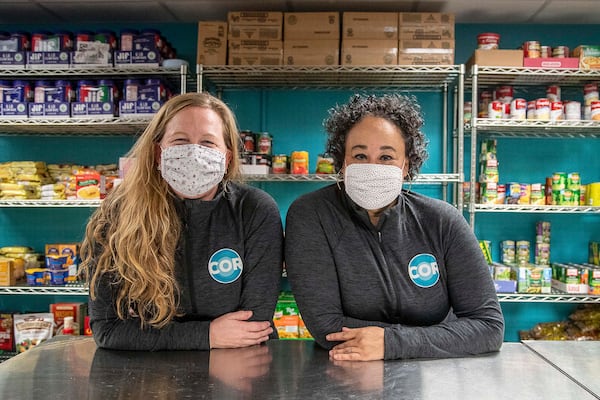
[{"x": 402, "y": 111}]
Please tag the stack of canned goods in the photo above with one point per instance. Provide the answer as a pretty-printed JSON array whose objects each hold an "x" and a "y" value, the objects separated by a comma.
[
  {"x": 534, "y": 49},
  {"x": 255, "y": 148}
]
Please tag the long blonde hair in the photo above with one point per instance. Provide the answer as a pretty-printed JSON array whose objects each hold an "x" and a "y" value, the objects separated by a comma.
[{"x": 133, "y": 236}]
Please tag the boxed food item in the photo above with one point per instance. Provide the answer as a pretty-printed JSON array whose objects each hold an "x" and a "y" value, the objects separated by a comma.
[
  {"x": 6, "y": 333},
  {"x": 311, "y": 25},
  {"x": 496, "y": 58},
  {"x": 7, "y": 272},
  {"x": 255, "y": 17},
  {"x": 425, "y": 18},
  {"x": 311, "y": 52},
  {"x": 426, "y": 44},
  {"x": 212, "y": 43},
  {"x": 76, "y": 310},
  {"x": 551, "y": 62},
  {"x": 426, "y": 56},
  {"x": 255, "y": 52},
  {"x": 426, "y": 32},
  {"x": 263, "y": 32},
  {"x": 369, "y": 52},
  {"x": 87, "y": 186},
  {"x": 533, "y": 278},
  {"x": 370, "y": 25},
  {"x": 589, "y": 56}
]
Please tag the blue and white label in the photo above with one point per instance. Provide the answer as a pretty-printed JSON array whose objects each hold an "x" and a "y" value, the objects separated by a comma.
[
  {"x": 423, "y": 270},
  {"x": 225, "y": 266}
]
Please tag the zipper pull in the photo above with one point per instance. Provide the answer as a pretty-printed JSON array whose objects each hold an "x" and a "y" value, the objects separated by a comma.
[{"x": 379, "y": 234}]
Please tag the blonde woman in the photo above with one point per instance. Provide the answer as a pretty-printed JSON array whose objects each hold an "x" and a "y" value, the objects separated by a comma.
[{"x": 180, "y": 256}]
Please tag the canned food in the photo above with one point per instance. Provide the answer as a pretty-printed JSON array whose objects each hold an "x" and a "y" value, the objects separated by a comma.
[
  {"x": 542, "y": 109},
  {"x": 595, "y": 110},
  {"x": 572, "y": 110},
  {"x": 507, "y": 251},
  {"x": 545, "y": 51},
  {"x": 467, "y": 112},
  {"x": 590, "y": 93},
  {"x": 522, "y": 251},
  {"x": 488, "y": 41},
  {"x": 279, "y": 164},
  {"x": 531, "y": 110},
  {"x": 264, "y": 143},
  {"x": 560, "y": 52},
  {"x": 518, "y": 109},
  {"x": 495, "y": 109},
  {"x": 556, "y": 111},
  {"x": 531, "y": 49},
  {"x": 504, "y": 94},
  {"x": 537, "y": 196},
  {"x": 553, "y": 93}
]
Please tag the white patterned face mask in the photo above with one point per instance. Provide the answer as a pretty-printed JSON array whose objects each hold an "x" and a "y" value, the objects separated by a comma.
[
  {"x": 192, "y": 170},
  {"x": 373, "y": 186}
]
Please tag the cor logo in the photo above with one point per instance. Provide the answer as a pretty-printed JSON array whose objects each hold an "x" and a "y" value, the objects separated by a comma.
[
  {"x": 225, "y": 266},
  {"x": 423, "y": 270}
]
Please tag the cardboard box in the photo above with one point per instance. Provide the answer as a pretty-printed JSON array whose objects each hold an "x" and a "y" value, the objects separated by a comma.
[
  {"x": 255, "y": 52},
  {"x": 255, "y": 58},
  {"x": 255, "y": 46},
  {"x": 212, "y": 43},
  {"x": 255, "y": 17},
  {"x": 551, "y": 62},
  {"x": 6, "y": 333},
  {"x": 426, "y": 57},
  {"x": 589, "y": 57},
  {"x": 263, "y": 32},
  {"x": 426, "y": 44},
  {"x": 311, "y": 25},
  {"x": 505, "y": 286},
  {"x": 533, "y": 278},
  {"x": 496, "y": 58},
  {"x": 7, "y": 273},
  {"x": 311, "y": 52},
  {"x": 426, "y": 32},
  {"x": 425, "y": 18},
  {"x": 76, "y": 310},
  {"x": 255, "y": 169},
  {"x": 370, "y": 25},
  {"x": 369, "y": 52}
]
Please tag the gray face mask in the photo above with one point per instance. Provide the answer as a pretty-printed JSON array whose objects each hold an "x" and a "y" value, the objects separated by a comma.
[
  {"x": 373, "y": 186},
  {"x": 191, "y": 169}
]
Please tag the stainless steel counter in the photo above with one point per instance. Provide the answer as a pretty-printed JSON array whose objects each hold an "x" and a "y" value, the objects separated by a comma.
[
  {"x": 74, "y": 368},
  {"x": 578, "y": 359}
]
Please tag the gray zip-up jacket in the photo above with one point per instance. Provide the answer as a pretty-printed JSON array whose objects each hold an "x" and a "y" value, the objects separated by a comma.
[
  {"x": 229, "y": 258},
  {"x": 420, "y": 274}
]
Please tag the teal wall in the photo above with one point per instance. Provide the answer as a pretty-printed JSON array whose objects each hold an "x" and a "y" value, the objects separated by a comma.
[{"x": 294, "y": 118}]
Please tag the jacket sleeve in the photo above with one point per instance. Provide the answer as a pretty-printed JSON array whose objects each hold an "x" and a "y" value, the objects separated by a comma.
[
  {"x": 113, "y": 333},
  {"x": 312, "y": 273},
  {"x": 475, "y": 324},
  {"x": 263, "y": 244}
]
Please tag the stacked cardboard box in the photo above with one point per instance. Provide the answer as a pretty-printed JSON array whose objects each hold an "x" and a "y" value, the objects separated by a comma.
[
  {"x": 311, "y": 38},
  {"x": 254, "y": 38},
  {"x": 370, "y": 38},
  {"x": 212, "y": 43},
  {"x": 426, "y": 39}
]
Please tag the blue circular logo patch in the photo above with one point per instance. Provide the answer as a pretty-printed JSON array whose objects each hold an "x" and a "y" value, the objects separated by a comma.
[
  {"x": 225, "y": 266},
  {"x": 423, "y": 270}
]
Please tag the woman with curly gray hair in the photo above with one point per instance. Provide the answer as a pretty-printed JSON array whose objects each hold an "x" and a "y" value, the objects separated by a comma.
[{"x": 378, "y": 271}]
